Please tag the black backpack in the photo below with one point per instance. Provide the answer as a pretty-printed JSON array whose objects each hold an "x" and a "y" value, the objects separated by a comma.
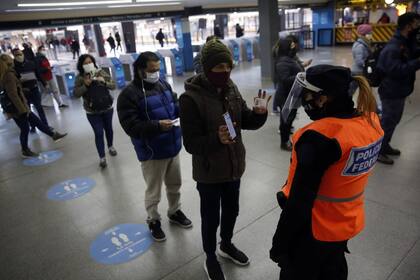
[
  {"x": 98, "y": 97},
  {"x": 6, "y": 103},
  {"x": 370, "y": 69}
]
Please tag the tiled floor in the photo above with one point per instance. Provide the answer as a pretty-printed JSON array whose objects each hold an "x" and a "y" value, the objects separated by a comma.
[{"x": 42, "y": 239}]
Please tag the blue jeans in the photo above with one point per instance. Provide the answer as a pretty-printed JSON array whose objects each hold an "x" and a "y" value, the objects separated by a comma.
[
  {"x": 23, "y": 122},
  {"x": 99, "y": 123},
  {"x": 34, "y": 98}
]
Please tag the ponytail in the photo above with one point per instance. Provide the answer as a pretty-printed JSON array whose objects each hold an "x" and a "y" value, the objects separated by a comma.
[{"x": 366, "y": 102}]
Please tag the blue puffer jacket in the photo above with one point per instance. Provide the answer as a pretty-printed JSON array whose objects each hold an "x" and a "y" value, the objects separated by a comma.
[
  {"x": 399, "y": 65},
  {"x": 139, "y": 115}
]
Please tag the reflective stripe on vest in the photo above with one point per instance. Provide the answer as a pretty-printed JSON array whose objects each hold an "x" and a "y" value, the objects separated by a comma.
[
  {"x": 338, "y": 200},
  {"x": 337, "y": 213}
]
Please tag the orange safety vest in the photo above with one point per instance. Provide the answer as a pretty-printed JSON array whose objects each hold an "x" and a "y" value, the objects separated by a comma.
[{"x": 338, "y": 213}]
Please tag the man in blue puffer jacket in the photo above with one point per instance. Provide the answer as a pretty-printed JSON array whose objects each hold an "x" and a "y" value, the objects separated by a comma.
[
  {"x": 398, "y": 62},
  {"x": 148, "y": 113}
]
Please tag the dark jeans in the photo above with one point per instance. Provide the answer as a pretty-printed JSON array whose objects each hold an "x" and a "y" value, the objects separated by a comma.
[
  {"x": 392, "y": 111},
  {"x": 74, "y": 54},
  {"x": 23, "y": 122},
  {"x": 314, "y": 260},
  {"x": 211, "y": 197},
  {"x": 34, "y": 98},
  {"x": 285, "y": 125},
  {"x": 99, "y": 123}
]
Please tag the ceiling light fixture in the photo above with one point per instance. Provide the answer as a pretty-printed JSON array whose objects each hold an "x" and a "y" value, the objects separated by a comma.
[
  {"x": 60, "y": 4},
  {"x": 152, "y": 1},
  {"x": 389, "y": 2},
  {"x": 44, "y": 9},
  {"x": 145, "y": 5}
]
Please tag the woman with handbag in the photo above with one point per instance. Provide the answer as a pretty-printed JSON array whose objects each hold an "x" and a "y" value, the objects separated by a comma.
[{"x": 93, "y": 85}]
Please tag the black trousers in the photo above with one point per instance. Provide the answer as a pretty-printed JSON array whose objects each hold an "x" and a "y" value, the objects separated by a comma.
[
  {"x": 392, "y": 111},
  {"x": 314, "y": 260},
  {"x": 34, "y": 98},
  {"x": 23, "y": 122},
  {"x": 285, "y": 125},
  {"x": 212, "y": 196}
]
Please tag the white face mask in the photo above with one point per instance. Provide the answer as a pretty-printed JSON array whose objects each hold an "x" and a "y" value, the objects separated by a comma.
[
  {"x": 20, "y": 58},
  {"x": 152, "y": 77},
  {"x": 369, "y": 36},
  {"x": 44, "y": 53},
  {"x": 89, "y": 68}
]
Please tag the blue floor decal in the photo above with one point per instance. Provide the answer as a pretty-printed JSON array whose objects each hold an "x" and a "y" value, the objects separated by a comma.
[
  {"x": 70, "y": 189},
  {"x": 43, "y": 158},
  {"x": 121, "y": 244}
]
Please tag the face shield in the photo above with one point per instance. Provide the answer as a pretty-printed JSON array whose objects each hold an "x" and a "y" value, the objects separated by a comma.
[{"x": 294, "y": 100}]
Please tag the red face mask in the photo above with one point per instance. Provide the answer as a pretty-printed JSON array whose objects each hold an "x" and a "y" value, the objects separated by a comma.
[{"x": 218, "y": 79}]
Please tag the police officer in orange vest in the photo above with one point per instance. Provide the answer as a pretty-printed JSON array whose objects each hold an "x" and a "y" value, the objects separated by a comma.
[{"x": 332, "y": 158}]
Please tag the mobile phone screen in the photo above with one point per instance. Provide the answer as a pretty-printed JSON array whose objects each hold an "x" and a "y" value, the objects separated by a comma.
[{"x": 230, "y": 126}]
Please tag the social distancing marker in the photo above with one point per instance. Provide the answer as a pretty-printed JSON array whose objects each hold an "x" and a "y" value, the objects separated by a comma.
[
  {"x": 121, "y": 244},
  {"x": 70, "y": 189},
  {"x": 43, "y": 158}
]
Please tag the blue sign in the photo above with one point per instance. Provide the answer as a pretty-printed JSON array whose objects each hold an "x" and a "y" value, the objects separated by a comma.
[
  {"x": 43, "y": 158},
  {"x": 70, "y": 78},
  {"x": 71, "y": 189},
  {"x": 236, "y": 53},
  {"x": 249, "y": 51},
  {"x": 119, "y": 72},
  {"x": 162, "y": 66},
  {"x": 362, "y": 160},
  {"x": 179, "y": 64},
  {"x": 121, "y": 244}
]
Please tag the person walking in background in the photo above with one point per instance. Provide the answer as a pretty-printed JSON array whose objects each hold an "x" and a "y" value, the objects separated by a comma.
[
  {"x": 148, "y": 113},
  {"x": 29, "y": 75},
  {"x": 217, "y": 32},
  {"x": 160, "y": 36},
  {"x": 218, "y": 157},
  {"x": 332, "y": 158},
  {"x": 49, "y": 84},
  {"x": 28, "y": 52},
  {"x": 75, "y": 48},
  {"x": 286, "y": 69},
  {"x": 118, "y": 39},
  {"x": 86, "y": 43},
  {"x": 93, "y": 85},
  {"x": 361, "y": 49},
  {"x": 398, "y": 62},
  {"x": 111, "y": 43},
  {"x": 19, "y": 108},
  {"x": 239, "y": 31}
]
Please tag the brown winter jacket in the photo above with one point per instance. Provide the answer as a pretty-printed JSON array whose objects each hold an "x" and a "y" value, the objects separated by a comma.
[
  {"x": 201, "y": 113},
  {"x": 14, "y": 91}
]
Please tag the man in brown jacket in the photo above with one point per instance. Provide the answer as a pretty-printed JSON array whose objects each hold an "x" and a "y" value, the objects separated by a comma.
[{"x": 218, "y": 158}]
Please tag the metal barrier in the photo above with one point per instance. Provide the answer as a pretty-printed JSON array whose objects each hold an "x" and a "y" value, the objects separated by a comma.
[{"x": 306, "y": 38}]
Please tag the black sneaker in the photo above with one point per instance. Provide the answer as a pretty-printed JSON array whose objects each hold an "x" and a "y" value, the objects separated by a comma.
[
  {"x": 27, "y": 153},
  {"x": 180, "y": 219},
  {"x": 102, "y": 163},
  {"x": 229, "y": 251},
  {"x": 58, "y": 136},
  {"x": 32, "y": 130},
  {"x": 213, "y": 270},
  {"x": 383, "y": 158},
  {"x": 391, "y": 151},
  {"x": 63, "y": 106},
  {"x": 157, "y": 232},
  {"x": 112, "y": 151},
  {"x": 286, "y": 146}
]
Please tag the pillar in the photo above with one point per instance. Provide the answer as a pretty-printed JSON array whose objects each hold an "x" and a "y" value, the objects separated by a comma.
[{"x": 269, "y": 34}]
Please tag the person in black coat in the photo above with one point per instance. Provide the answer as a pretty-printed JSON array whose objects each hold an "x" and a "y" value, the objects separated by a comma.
[
  {"x": 286, "y": 69},
  {"x": 398, "y": 61}
]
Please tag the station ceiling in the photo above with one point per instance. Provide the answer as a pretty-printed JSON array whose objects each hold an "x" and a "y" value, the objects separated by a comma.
[{"x": 20, "y": 10}]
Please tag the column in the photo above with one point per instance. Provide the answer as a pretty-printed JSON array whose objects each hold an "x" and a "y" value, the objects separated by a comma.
[
  {"x": 269, "y": 34},
  {"x": 183, "y": 38},
  {"x": 129, "y": 36},
  {"x": 99, "y": 40}
]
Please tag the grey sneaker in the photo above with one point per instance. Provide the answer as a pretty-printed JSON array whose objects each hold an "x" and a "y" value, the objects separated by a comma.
[
  {"x": 112, "y": 151},
  {"x": 58, "y": 136},
  {"x": 102, "y": 163}
]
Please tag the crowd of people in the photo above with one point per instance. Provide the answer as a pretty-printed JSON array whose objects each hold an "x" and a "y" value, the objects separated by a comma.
[{"x": 331, "y": 157}]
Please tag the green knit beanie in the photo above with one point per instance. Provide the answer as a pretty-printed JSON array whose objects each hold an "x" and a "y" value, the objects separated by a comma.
[{"x": 213, "y": 53}]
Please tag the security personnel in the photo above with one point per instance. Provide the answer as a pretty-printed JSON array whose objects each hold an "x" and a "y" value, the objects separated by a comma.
[{"x": 332, "y": 158}]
